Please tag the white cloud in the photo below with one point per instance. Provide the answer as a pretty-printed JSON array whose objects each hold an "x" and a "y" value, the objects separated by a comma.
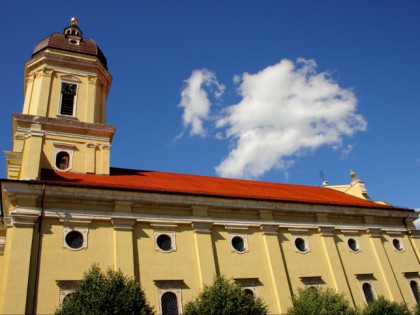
[
  {"x": 286, "y": 110},
  {"x": 345, "y": 152},
  {"x": 195, "y": 100}
]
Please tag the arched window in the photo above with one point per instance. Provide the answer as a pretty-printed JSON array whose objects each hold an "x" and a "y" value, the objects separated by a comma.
[
  {"x": 169, "y": 304},
  {"x": 62, "y": 160},
  {"x": 415, "y": 289},
  {"x": 368, "y": 292}
]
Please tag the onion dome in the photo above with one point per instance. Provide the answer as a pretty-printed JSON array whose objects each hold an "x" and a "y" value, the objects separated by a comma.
[{"x": 71, "y": 40}]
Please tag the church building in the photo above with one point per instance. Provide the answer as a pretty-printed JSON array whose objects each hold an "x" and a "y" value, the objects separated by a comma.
[{"x": 64, "y": 208}]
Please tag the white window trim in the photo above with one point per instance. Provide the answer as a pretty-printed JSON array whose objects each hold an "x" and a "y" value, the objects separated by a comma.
[
  {"x": 173, "y": 241},
  {"x": 178, "y": 294},
  {"x": 359, "y": 249},
  {"x": 244, "y": 238},
  {"x": 305, "y": 238},
  {"x": 82, "y": 230},
  {"x": 76, "y": 83},
  {"x": 63, "y": 147},
  {"x": 401, "y": 243},
  {"x": 64, "y": 293},
  {"x": 375, "y": 296}
]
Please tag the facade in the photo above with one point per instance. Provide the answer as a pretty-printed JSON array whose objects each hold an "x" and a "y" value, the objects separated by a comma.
[{"x": 64, "y": 208}]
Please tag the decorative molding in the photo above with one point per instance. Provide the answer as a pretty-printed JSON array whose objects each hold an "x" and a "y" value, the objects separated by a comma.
[
  {"x": 67, "y": 284},
  {"x": 163, "y": 284},
  {"x": 2, "y": 244},
  {"x": 123, "y": 223},
  {"x": 62, "y": 145},
  {"x": 349, "y": 231},
  {"x": 157, "y": 225},
  {"x": 312, "y": 281},
  {"x": 414, "y": 233},
  {"x": 202, "y": 227},
  {"x": 92, "y": 80},
  {"x": 411, "y": 275},
  {"x": 374, "y": 232},
  {"x": 392, "y": 232},
  {"x": 75, "y": 219},
  {"x": 326, "y": 230},
  {"x": 233, "y": 228},
  {"x": 297, "y": 230},
  {"x": 269, "y": 229},
  {"x": 24, "y": 219},
  {"x": 364, "y": 276},
  {"x": 247, "y": 282},
  {"x": 244, "y": 238}
]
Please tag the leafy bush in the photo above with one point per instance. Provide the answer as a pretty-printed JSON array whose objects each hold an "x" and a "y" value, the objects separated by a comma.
[
  {"x": 382, "y": 306},
  {"x": 314, "y": 301},
  {"x": 224, "y": 297},
  {"x": 106, "y": 293}
]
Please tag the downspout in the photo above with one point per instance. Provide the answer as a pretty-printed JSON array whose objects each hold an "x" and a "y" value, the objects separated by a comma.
[{"x": 38, "y": 251}]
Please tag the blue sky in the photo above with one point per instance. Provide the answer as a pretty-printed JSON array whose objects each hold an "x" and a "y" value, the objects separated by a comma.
[{"x": 272, "y": 90}]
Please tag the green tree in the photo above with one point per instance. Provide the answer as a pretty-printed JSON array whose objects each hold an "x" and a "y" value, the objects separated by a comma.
[
  {"x": 382, "y": 306},
  {"x": 314, "y": 301},
  {"x": 107, "y": 292},
  {"x": 224, "y": 297}
]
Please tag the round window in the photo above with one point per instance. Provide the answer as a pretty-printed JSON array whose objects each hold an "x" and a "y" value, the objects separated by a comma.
[
  {"x": 74, "y": 239},
  {"x": 301, "y": 244},
  {"x": 353, "y": 244},
  {"x": 397, "y": 244},
  {"x": 164, "y": 242},
  {"x": 238, "y": 243}
]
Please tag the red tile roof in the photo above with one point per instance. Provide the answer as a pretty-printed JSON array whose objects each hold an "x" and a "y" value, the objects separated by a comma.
[{"x": 151, "y": 181}]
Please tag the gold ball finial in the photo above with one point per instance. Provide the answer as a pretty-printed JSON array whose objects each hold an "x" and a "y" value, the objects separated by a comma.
[{"x": 74, "y": 21}]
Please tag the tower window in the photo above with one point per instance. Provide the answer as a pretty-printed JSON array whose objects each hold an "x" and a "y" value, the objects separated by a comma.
[
  {"x": 68, "y": 96},
  {"x": 62, "y": 160}
]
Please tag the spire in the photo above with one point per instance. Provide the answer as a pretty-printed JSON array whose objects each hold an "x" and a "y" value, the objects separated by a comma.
[{"x": 73, "y": 32}]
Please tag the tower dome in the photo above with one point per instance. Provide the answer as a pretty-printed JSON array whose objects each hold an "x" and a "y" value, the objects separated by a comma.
[{"x": 71, "y": 40}]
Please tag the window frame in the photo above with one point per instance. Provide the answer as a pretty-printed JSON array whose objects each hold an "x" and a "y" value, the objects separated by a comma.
[
  {"x": 60, "y": 114},
  {"x": 172, "y": 236},
  {"x": 244, "y": 238},
  {"x": 82, "y": 230},
  {"x": 356, "y": 242},
  {"x": 67, "y": 148},
  {"x": 306, "y": 242},
  {"x": 400, "y": 242}
]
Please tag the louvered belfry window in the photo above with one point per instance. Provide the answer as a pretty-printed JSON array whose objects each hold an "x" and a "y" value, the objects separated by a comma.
[{"x": 68, "y": 95}]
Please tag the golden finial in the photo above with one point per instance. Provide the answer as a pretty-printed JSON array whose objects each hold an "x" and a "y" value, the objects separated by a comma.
[{"x": 74, "y": 21}]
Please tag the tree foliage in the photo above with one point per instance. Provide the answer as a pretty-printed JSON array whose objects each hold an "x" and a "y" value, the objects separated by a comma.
[
  {"x": 224, "y": 297},
  {"x": 382, "y": 306},
  {"x": 314, "y": 301},
  {"x": 107, "y": 292}
]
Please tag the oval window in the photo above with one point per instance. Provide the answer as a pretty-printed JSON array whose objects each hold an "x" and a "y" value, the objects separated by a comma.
[
  {"x": 397, "y": 244},
  {"x": 353, "y": 244},
  {"x": 301, "y": 244},
  {"x": 238, "y": 244}
]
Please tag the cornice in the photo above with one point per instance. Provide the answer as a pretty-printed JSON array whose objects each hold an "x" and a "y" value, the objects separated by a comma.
[{"x": 83, "y": 128}]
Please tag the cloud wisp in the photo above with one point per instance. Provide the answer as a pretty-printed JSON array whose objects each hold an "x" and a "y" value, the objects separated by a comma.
[
  {"x": 196, "y": 102},
  {"x": 286, "y": 110}
]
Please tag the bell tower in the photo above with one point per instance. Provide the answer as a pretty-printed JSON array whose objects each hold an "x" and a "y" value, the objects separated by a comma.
[{"x": 62, "y": 126}]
